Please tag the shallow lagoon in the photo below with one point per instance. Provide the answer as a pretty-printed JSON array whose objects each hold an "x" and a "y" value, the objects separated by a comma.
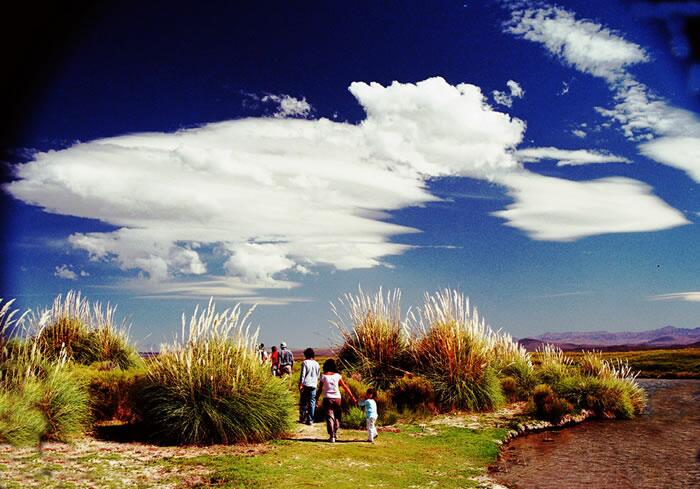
[{"x": 660, "y": 449}]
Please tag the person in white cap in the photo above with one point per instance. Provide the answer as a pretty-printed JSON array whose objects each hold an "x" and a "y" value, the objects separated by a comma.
[{"x": 286, "y": 360}]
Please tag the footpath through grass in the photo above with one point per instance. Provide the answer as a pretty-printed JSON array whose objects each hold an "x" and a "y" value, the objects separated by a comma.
[{"x": 417, "y": 456}]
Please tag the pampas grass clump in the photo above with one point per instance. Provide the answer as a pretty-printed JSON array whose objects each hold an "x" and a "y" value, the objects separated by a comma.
[
  {"x": 375, "y": 341},
  {"x": 40, "y": 398},
  {"x": 87, "y": 332},
  {"x": 209, "y": 386},
  {"x": 455, "y": 351}
]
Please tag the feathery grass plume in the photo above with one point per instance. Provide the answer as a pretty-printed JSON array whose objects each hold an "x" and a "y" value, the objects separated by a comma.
[
  {"x": 111, "y": 341},
  {"x": 592, "y": 363},
  {"x": 88, "y": 332},
  {"x": 455, "y": 352},
  {"x": 208, "y": 386},
  {"x": 375, "y": 340},
  {"x": 512, "y": 360},
  {"x": 39, "y": 397},
  {"x": 553, "y": 365},
  {"x": 66, "y": 325}
]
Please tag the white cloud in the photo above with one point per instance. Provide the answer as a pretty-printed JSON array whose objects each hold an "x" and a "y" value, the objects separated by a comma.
[
  {"x": 643, "y": 115},
  {"x": 65, "y": 272},
  {"x": 579, "y": 133},
  {"x": 583, "y": 44},
  {"x": 289, "y": 106},
  {"x": 506, "y": 99},
  {"x": 516, "y": 91},
  {"x": 678, "y": 296},
  {"x": 680, "y": 152},
  {"x": 591, "y": 48},
  {"x": 567, "y": 157},
  {"x": 555, "y": 209},
  {"x": 275, "y": 198},
  {"x": 278, "y": 196}
]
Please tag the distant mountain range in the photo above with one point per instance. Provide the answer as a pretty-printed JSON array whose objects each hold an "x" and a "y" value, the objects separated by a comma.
[{"x": 666, "y": 337}]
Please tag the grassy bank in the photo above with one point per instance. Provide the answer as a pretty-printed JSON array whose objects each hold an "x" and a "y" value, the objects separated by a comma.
[
  {"x": 448, "y": 452},
  {"x": 665, "y": 364}
]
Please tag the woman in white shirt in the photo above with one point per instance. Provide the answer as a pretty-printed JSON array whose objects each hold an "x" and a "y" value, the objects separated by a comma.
[{"x": 331, "y": 382}]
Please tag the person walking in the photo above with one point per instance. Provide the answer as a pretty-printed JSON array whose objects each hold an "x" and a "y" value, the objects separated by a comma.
[
  {"x": 331, "y": 382},
  {"x": 308, "y": 383},
  {"x": 286, "y": 360},
  {"x": 275, "y": 361},
  {"x": 262, "y": 353},
  {"x": 371, "y": 413}
]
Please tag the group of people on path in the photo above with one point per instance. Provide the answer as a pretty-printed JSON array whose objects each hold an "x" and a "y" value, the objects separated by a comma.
[
  {"x": 281, "y": 361},
  {"x": 330, "y": 382}
]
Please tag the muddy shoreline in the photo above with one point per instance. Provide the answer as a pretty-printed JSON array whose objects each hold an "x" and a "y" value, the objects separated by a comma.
[{"x": 658, "y": 449}]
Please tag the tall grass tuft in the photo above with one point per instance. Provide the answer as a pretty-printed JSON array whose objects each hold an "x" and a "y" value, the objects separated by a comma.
[
  {"x": 554, "y": 365},
  {"x": 87, "y": 332},
  {"x": 375, "y": 341},
  {"x": 610, "y": 389},
  {"x": 209, "y": 386},
  {"x": 39, "y": 397},
  {"x": 455, "y": 351}
]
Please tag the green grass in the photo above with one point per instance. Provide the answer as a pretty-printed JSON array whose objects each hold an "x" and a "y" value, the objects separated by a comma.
[
  {"x": 681, "y": 363},
  {"x": 445, "y": 457}
]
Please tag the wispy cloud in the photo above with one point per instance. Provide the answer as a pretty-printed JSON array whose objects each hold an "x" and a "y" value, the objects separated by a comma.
[
  {"x": 506, "y": 98},
  {"x": 568, "y": 157},
  {"x": 289, "y": 106},
  {"x": 677, "y": 296},
  {"x": 589, "y": 47},
  {"x": 65, "y": 272},
  {"x": 565, "y": 294}
]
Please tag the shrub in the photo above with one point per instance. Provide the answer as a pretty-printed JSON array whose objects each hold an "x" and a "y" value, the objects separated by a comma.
[
  {"x": 509, "y": 386},
  {"x": 609, "y": 389},
  {"x": 375, "y": 341},
  {"x": 548, "y": 405},
  {"x": 87, "y": 333},
  {"x": 388, "y": 417},
  {"x": 412, "y": 392},
  {"x": 455, "y": 352},
  {"x": 353, "y": 419},
  {"x": 209, "y": 387},
  {"x": 112, "y": 392}
]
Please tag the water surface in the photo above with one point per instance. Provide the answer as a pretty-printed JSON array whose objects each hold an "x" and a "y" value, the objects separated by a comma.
[{"x": 660, "y": 449}]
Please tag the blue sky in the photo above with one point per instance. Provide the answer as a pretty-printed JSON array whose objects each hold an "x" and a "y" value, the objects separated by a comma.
[{"x": 542, "y": 158}]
